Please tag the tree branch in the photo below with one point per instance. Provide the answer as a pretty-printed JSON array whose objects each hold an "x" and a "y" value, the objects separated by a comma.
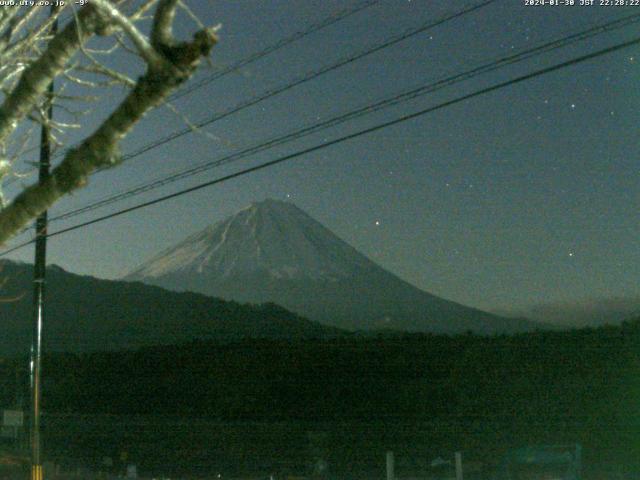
[
  {"x": 101, "y": 149},
  {"x": 139, "y": 40},
  {"x": 161, "y": 33},
  {"x": 36, "y": 78}
]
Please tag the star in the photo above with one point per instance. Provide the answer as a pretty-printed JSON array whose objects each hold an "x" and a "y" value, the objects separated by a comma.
[
  {"x": 573, "y": 105},
  {"x": 377, "y": 223},
  {"x": 571, "y": 254}
]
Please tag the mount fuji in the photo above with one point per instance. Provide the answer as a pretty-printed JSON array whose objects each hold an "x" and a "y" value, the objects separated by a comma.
[{"x": 272, "y": 251}]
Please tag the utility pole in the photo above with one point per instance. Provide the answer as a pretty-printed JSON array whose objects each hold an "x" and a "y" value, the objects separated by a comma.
[
  {"x": 38, "y": 306},
  {"x": 39, "y": 289},
  {"x": 391, "y": 469},
  {"x": 459, "y": 466}
]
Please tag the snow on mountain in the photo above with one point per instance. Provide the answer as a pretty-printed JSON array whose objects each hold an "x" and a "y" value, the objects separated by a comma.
[
  {"x": 271, "y": 237},
  {"x": 274, "y": 252}
]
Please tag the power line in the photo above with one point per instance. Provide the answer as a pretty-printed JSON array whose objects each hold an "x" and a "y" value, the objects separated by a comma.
[
  {"x": 309, "y": 76},
  {"x": 345, "y": 138},
  {"x": 326, "y": 22},
  {"x": 275, "y": 47},
  {"x": 305, "y": 78},
  {"x": 391, "y": 101},
  {"x": 411, "y": 32}
]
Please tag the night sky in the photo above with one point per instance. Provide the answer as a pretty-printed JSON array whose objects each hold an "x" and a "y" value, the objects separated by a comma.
[{"x": 524, "y": 196}]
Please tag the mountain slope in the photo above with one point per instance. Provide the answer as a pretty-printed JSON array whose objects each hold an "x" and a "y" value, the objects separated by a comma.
[
  {"x": 273, "y": 251},
  {"x": 85, "y": 313}
]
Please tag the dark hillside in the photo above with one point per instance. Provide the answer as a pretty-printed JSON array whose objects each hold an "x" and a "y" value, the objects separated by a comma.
[{"x": 87, "y": 314}]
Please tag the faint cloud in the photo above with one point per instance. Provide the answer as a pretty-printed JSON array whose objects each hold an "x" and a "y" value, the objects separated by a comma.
[{"x": 581, "y": 313}]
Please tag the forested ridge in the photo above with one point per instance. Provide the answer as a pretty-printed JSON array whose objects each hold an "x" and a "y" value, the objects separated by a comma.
[
  {"x": 570, "y": 374},
  {"x": 479, "y": 394}
]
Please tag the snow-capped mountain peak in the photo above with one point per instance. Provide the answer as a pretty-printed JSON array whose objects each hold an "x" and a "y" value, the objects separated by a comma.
[
  {"x": 269, "y": 237},
  {"x": 272, "y": 251}
]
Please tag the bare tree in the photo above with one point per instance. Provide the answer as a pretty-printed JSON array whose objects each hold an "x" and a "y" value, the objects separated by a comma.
[{"x": 32, "y": 56}]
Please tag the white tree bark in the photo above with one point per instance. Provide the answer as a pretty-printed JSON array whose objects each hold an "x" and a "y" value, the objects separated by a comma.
[{"x": 168, "y": 64}]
